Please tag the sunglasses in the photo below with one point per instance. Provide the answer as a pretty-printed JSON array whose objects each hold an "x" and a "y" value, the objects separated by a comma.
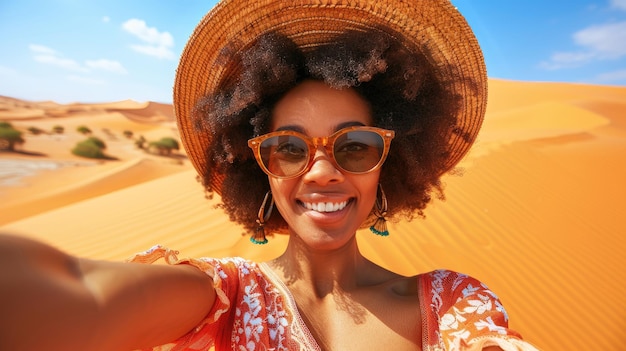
[{"x": 289, "y": 154}]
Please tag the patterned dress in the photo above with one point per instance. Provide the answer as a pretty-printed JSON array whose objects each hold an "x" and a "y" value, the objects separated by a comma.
[{"x": 254, "y": 310}]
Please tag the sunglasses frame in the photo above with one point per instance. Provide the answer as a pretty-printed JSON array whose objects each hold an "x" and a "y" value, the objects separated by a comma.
[{"x": 327, "y": 142}]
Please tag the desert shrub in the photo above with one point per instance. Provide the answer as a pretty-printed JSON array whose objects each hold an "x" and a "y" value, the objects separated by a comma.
[
  {"x": 128, "y": 134},
  {"x": 140, "y": 143},
  {"x": 9, "y": 136},
  {"x": 164, "y": 146},
  {"x": 169, "y": 143},
  {"x": 83, "y": 130},
  {"x": 96, "y": 141},
  {"x": 35, "y": 130},
  {"x": 91, "y": 147},
  {"x": 88, "y": 150},
  {"x": 58, "y": 129}
]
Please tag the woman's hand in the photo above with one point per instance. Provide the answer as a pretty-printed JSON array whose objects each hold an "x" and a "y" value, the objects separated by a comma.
[{"x": 50, "y": 300}]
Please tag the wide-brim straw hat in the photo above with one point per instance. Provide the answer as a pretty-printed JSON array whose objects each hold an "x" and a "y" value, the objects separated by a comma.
[{"x": 433, "y": 26}]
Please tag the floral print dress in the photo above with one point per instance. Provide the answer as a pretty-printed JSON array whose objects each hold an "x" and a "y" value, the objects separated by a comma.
[{"x": 254, "y": 310}]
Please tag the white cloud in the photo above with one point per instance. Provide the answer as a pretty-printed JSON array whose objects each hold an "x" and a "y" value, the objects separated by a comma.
[
  {"x": 40, "y": 49},
  {"x": 46, "y": 55},
  {"x": 150, "y": 35},
  {"x": 64, "y": 63},
  {"x": 157, "y": 44},
  {"x": 619, "y": 4},
  {"x": 560, "y": 60},
  {"x": 106, "y": 65},
  {"x": 610, "y": 77},
  {"x": 106, "y": 19},
  {"x": 607, "y": 41},
  {"x": 599, "y": 42},
  {"x": 156, "y": 51}
]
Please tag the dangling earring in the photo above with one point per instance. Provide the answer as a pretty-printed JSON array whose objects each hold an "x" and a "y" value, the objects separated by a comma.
[
  {"x": 380, "y": 210},
  {"x": 259, "y": 236}
]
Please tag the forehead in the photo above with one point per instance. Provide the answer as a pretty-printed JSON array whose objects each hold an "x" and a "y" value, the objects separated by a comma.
[{"x": 315, "y": 107}]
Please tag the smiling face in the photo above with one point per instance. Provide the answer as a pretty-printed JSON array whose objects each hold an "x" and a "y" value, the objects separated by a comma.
[{"x": 325, "y": 206}]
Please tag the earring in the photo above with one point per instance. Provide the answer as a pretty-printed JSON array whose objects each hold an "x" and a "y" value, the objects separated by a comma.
[
  {"x": 380, "y": 210},
  {"x": 259, "y": 236}
]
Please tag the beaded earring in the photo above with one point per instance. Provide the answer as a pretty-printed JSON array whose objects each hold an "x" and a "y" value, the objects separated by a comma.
[
  {"x": 380, "y": 210},
  {"x": 259, "y": 235}
]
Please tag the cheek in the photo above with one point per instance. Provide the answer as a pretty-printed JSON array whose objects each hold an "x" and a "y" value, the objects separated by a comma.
[
  {"x": 368, "y": 185},
  {"x": 281, "y": 191}
]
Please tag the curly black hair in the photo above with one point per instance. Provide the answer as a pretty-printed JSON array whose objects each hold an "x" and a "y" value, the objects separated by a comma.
[{"x": 398, "y": 82}]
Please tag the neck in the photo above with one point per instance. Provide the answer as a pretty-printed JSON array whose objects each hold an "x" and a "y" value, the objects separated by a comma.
[{"x": 322, "y": 271}]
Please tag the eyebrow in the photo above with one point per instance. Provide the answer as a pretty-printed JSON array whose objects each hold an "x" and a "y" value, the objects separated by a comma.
[{"x": 340, "y": 126}]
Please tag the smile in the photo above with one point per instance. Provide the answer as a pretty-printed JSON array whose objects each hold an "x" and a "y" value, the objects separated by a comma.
[{"x": 325, "y": 206}]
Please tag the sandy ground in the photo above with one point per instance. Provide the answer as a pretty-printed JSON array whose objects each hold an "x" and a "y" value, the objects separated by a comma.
[{"x": 538, "y": 214}]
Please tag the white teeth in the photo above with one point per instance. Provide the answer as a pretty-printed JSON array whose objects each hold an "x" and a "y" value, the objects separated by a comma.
[{"x": 325, "y": 206}]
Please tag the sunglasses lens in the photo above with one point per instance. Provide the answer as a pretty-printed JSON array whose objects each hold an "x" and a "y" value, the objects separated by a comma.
[
  {"x": 284, "y": 155},
  {"x": 358, "y": 151}
]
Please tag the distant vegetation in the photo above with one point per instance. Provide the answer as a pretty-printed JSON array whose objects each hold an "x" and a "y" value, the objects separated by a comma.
[
  {"x": 58, "y": 129},
  {"x": 35, "y": 130},
  {"x": 141, "y": 142},
  {"x": 163, "y": 146},
  {"x": 9, "y": 136},
  {"x": 83, "y": 130},
  {"x": 92, "y": 147}
]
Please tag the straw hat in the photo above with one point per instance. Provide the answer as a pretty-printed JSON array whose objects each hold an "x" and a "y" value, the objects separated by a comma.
[{"x": 434, "y": 26}]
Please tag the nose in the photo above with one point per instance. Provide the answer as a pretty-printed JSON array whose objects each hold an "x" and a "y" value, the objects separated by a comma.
[{"x": 323, "y": 171}]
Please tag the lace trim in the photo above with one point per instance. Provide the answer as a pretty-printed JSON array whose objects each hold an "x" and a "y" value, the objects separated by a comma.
[
  {"x": 153, "y": 254},
  {"x": 299, "y": 330}
]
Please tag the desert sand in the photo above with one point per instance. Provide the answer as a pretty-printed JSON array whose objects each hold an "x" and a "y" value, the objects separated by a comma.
[{"x": 536, "y": 210}]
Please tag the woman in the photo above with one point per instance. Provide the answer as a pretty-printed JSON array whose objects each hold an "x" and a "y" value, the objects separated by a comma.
[{"x": 311, "y": 119}]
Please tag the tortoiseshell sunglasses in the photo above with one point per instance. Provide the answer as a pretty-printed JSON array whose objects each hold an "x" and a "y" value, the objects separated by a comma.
[{"x": 289, "y": 154}]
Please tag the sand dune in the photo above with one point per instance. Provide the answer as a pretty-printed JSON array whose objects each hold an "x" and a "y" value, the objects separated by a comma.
[
  {"x": 90, "y": 183},
  {"x": 152, "y": 112},
  {"x": 537, "y": 213}
]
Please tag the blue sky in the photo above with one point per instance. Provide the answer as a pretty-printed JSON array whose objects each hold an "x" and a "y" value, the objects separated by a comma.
[{"x": 99, "y": 51}]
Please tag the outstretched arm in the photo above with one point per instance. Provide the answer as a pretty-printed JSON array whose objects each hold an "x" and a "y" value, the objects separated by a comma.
[{"x": 50, "y": 300}]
